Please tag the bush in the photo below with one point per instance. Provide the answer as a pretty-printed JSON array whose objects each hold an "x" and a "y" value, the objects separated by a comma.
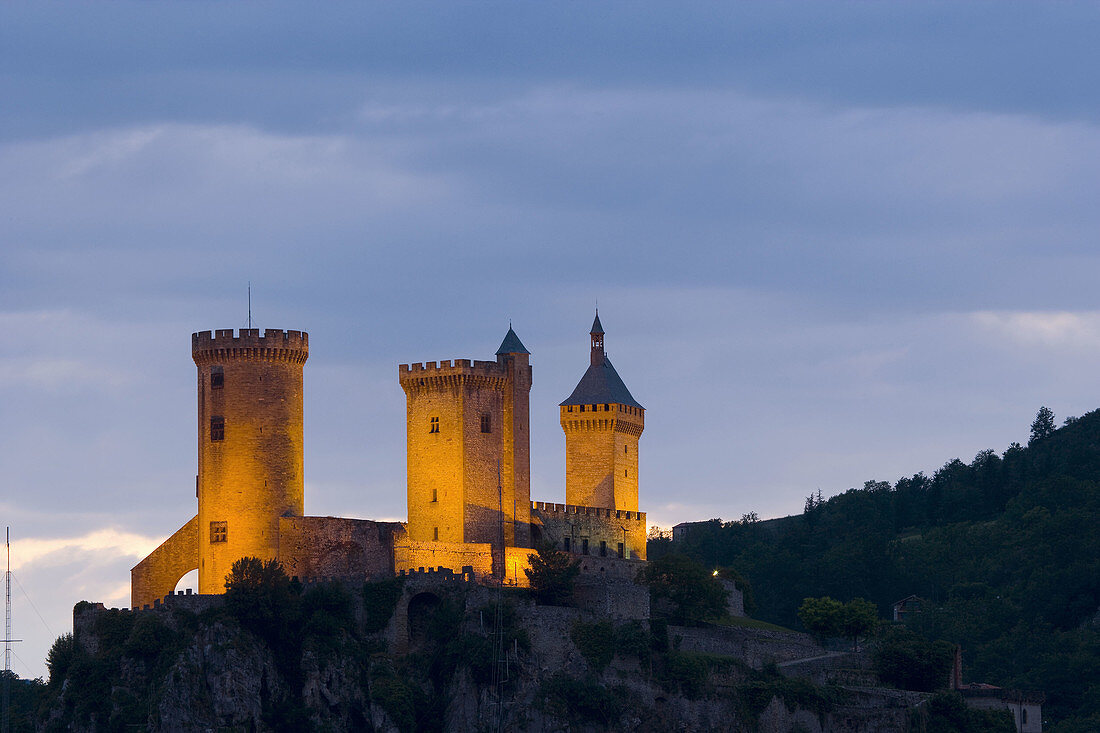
[
  {"x": 596, "y": 642},
  {"x": 582, "y": 702},
  {"x": 379, "y": 601},
  {"x": 552, "y": 575},
  {"x": 693, "y": 593},
  {"x": 908, "y": 661}
]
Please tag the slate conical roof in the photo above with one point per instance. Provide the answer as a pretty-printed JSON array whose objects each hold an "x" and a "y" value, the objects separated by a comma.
[
  {"x": 597, "y": 327},
  {"x": 511, "y": 344},
  {"x": 601, "y": 383}
]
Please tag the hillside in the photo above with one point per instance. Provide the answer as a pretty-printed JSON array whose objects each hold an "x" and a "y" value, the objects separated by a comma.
[{"x": 1004, "y": 551}]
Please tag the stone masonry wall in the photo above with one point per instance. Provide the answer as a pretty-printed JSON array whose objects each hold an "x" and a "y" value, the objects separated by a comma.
[
  {"x": 334, "y": 547},
  {"x": 557, "y": 522}
]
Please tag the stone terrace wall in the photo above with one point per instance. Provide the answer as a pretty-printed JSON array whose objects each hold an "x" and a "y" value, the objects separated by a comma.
[{"x": 755, "y": 646}]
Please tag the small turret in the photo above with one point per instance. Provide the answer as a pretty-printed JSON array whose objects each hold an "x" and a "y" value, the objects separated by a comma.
[{"x": 597, "y": 340}]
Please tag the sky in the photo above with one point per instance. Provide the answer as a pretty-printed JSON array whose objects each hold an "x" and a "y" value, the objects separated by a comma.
[{"x": 830, "y": 242}]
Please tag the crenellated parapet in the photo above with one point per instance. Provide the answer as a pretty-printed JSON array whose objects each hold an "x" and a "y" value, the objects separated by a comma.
[
  {"x": 604, "y": 416},
  {"x": 553, "y": 510},
  {"x": 247, "y": 343},
  {"x": 456, "y": 373}
]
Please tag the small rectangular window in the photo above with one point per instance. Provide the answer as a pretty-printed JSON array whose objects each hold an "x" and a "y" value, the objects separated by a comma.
[
  {"x": 486, "y": 423},
  {"x": 217, "y": 428},
  {"x": 434, "y": 425},
  {"x": 621, "y": 549},
  {"x": 435, "y": 533},
  {"x": 219, "y": 531},
  {"x": 566, "y": 543},
  {"x": 582, "y": 408},
  {"x": 603, "y": 548},
  {"x": 435, "y": 495},
  {"x": 217, "y": 378},
  {"x": 584, "y": 546}
]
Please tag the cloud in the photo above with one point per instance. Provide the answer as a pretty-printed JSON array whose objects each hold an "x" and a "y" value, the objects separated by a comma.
[
  {"x": 107, "y": 543},
  {"x": 1062, "y": 329}
]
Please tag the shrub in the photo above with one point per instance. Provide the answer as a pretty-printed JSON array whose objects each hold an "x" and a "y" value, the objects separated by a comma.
[
  {"x": 582, "y": 702},
  {"x": 379, "y": 601},
  {"x": 596, "y": 642},
  {"x": 552, "y": 575}
]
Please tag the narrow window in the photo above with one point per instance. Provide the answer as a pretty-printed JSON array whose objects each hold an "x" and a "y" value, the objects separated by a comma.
[
  {"x": 435, "y": 495},
  {"x": 435, "y": 533},
  {"x": 217, "y": 428},
  {"x": 217, "y": 377},
  {"x": 434, "y": 425},
  {"x": 603, "y": 548},
  {"x": 569, "y": 408},
  {"x": 621, "y": 549},
  {"x": 219, "y": 531},
  {"x": 486, "y": 423},
  {"x": 566, "y": 542},
  {"x": 626, "y": 450},
  {"x": 582, "y": 408},
  {"x": 584, "y": 546},
  {"x": 626, "y": 472},
  {"x": 607, "y": 408}
]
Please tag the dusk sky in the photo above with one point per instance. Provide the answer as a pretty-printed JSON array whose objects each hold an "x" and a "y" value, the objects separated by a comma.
[{"x": 830, "y": 243}]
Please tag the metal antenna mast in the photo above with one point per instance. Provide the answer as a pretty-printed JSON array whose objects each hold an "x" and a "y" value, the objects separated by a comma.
[
  {"x": 250, "y": 304},
  {"x": 7, "y": 633}
]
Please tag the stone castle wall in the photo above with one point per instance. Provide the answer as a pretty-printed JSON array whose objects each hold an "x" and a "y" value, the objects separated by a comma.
[
  {"x": 558, "y": 522},
  {"x": 334, "y": 547}
]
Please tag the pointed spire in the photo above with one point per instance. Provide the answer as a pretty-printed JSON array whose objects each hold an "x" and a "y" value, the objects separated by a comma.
[
  {"x": 511, "y": 343},
  {"x": 597, "y": 327}
]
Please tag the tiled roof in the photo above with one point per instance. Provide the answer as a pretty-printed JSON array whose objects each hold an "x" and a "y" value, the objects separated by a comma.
[
  {"x": 511, "y": 344},
  {"x": 601, "y": 383}
]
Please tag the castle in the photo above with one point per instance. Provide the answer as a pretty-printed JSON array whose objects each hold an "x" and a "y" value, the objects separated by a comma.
[{"x": 469, "y": 484}]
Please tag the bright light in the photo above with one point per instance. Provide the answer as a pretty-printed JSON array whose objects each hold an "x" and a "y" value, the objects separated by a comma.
[{"x": 715, "y": 573}]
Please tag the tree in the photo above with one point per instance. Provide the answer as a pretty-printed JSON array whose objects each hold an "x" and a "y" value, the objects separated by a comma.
[
  {"x": 552, "y": 575},
  {"x": 821, "y": 616},
  {"x": 858, "y": 618},
  {"x": 1043, "y": 425},
  {"x": 827, "y": 617},
  {"x": 688, "y": 593},
  {"x": 260, "y": 595}
]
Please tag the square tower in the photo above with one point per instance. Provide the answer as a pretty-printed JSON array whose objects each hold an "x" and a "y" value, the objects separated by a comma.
[{"x": 468, "y": 443}]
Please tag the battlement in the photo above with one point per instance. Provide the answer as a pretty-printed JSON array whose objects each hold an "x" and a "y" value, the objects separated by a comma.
[
  {"x": 275, "y": 344},
  {"x": 488, "y": 373},
  {"x": 547, "y": 507}
]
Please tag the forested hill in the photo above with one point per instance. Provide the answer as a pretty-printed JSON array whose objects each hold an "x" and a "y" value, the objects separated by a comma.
[{"x": 1005, "y": 551}]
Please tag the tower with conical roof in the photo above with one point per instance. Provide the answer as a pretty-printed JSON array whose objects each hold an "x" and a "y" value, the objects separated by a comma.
[
  {"x": 468, "y": 443},
  {"x": 602, "y": 423}
]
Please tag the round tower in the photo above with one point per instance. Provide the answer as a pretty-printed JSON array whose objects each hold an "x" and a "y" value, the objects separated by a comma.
[
  {"x": 250, "y": 444},
  {"x": 602, "y": 423}
]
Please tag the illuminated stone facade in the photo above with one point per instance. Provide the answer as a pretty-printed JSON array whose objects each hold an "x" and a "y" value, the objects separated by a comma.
[
  {"x": 602, "y": 423},
  {"x": 469, "y": 495},
  {"x": 468, "y": 448}
]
